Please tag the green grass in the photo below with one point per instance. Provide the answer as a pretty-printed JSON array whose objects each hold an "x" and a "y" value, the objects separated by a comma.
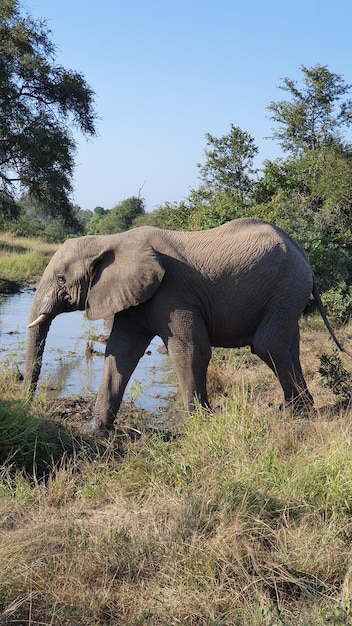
[
  {"x": 22, "y": 259},
  {"x": 26, "y": 442}
]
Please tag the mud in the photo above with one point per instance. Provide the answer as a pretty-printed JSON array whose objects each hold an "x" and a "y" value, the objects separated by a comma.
[{"x": 75, "y": 412}]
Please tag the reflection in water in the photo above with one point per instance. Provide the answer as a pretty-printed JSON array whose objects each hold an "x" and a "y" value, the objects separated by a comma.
[{"x": 67, "y": 369}]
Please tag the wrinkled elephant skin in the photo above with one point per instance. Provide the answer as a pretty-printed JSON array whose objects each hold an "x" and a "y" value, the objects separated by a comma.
[{"x": 243, "y": 283}]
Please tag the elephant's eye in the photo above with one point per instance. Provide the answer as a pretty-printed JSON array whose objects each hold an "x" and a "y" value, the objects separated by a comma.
[{"x": 61, "y": 280}]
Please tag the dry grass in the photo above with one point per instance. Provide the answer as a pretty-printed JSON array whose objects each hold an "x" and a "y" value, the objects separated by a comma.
[{"x": 22, "y": 259}]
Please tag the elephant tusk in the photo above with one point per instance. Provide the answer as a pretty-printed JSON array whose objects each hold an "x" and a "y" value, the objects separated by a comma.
[{"x": 39, "y": 320}]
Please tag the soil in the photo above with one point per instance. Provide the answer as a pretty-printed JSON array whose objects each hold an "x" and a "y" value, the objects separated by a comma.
[{"x": 75, "y": 413}]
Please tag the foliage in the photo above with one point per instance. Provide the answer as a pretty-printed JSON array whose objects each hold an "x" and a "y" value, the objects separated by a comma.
[
  {"x": 326, "y": 243},
  {"x": 227, "y": 180},
  {"x": 118, "y": 219},
  {"x": 336, "y": 376},
  {"x": 91, "y": 224},
  {"x": 338, "y": 300},
  {"x": 210, "y": 210},
  {"x": 39, "y": 101},
  {"x": 229, "y": 163},
  {"x": 34, "y": 221},
  {"x": 172, "y": 216},
  {"x": 309, "y": 194},
  {"x": 314, "y": 117}
]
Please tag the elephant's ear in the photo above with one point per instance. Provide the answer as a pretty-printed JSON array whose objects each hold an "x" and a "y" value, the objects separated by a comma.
[{"x": 123, "y": 278}]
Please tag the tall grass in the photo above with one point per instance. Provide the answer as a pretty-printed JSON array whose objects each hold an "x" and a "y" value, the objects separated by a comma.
[
  {"x": 22, "y": 259},
  {"x": 25, "y": 441},
  {"x": 235, "y": 520}
]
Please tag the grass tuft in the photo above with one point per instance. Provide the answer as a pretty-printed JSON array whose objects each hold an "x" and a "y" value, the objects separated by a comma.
[{"x": 26, "y": 443}]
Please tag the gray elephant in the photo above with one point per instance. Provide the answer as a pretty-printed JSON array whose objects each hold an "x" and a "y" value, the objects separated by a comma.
[{"x": 243, "y": 283}]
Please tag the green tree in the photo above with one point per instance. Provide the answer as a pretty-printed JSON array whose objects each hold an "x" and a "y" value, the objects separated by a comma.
[
  {"x": 170, "y": 215},
  {"x": 118, "y": 219},
  {"x": 310, "y": 196},
  {"x": 228, "y": 164},
  {"x": 227, "y": 179},
  {"x": 316, "y": 113},
  {"x": 40, "y": 102},
  {"x": 208, "y": 210},
  {"x": 33, "y": 220},
  {"x": 93, "y": 224},
  {"x": 99, "y": 210}
]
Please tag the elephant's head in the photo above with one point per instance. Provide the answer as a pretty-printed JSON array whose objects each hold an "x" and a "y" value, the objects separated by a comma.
[{"x": 100, "y": 274}]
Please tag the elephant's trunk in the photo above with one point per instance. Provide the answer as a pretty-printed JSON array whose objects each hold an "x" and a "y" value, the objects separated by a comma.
[{"x": 36, "y": 338}]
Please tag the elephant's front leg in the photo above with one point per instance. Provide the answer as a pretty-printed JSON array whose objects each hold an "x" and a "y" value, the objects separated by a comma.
[
  {"x": 190, "y": 352},
  {"x": 124, "y": 349}
]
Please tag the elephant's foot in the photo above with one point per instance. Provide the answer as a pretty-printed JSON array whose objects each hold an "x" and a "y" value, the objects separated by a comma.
[
  {"x": 95, "y": 427},
  {"x": 300, "y": 405}
]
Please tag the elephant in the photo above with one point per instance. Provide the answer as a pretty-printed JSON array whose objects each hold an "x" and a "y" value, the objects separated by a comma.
[{"x": 245, "y": 282}]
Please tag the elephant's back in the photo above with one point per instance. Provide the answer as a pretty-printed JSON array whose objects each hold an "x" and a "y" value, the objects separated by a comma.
[
  {"x": 244, "y": 254},
  {"x": 234, "y": 248}
]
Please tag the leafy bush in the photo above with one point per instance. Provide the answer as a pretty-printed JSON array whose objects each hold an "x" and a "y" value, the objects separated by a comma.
[
  {"x": 336, "y": 376},
  {"x": 338, "y": 302}
]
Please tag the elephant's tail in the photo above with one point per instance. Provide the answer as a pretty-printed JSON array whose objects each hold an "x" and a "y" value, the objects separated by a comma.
[{"x": 317, "y": 298}]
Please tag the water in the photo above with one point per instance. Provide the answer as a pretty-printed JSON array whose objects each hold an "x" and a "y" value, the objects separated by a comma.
[{"x": 67, "y": 368}]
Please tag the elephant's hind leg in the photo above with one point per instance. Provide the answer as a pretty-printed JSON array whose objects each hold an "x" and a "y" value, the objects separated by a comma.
[
  {"x": 281, "y": 353},
  {"x": 304, "y": 396}
]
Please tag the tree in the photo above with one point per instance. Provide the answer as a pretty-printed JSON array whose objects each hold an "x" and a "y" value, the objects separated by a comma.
[
  {"x": 229, "y": 163},
  {"x": 118, "y": 219},
  {"x": 39, "y": 103},
  {"x": 33, "y": 221},
  {"x": 227, "y": 179},
  {"x": 309, "y": 193},
  {"x": 170, "y": 215},
  {"x": 122, "y": 216},
  {"x": 316, "y": 113},
  {"x": 99, "y": 210}
]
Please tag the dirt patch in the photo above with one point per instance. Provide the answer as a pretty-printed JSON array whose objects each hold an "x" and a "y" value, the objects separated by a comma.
[{"x": 75, "y": 412}]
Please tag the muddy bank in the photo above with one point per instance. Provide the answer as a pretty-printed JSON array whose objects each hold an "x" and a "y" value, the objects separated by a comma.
[
  {"x": 75, "y": 413},
  {"x": 9, "y": 287}
]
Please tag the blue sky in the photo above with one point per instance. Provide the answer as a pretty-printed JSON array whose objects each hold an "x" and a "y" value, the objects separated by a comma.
[{"x": 166, "y": 73}]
